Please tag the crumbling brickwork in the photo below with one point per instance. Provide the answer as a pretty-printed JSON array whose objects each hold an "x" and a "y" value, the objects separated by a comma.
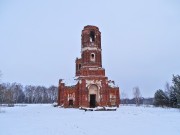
[{"x": 92, "y": 88}]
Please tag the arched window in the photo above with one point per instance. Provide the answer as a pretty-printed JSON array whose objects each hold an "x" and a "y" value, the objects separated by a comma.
[
  {"x": 92, "y": 57},
  {"x": 79, "y": 66},
  {"x": 92, "y": 36}
]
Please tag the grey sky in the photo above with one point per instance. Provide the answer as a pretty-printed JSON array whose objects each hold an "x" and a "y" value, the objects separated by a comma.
[{"x": 39, "y": 40}]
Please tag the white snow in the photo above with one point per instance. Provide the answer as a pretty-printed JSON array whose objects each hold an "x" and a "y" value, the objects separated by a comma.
[
  {"x": 70, "y": 81},
  {"x": 127, "y": 120}
]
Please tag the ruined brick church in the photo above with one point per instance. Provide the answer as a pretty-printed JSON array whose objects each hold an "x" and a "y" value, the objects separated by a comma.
[{"x": 92, "y": 88}]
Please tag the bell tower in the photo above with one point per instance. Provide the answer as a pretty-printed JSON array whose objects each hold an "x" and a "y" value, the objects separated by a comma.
[
  {"x": 91, "y": 47},
  {"x": 90, "y": 63},
  {"x": 92, "y": 88}
]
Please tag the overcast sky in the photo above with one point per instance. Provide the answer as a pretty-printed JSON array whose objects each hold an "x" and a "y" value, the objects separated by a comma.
[{"x": 40, "y": 39}]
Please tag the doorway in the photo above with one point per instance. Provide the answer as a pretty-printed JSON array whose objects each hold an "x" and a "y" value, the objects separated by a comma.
[
  {"x": 92, "y": 100},
  {"x": 70, "y": 103}
]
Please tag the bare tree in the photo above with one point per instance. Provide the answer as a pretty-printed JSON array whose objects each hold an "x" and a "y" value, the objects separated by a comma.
[
  {"x": 167, "y": 89},
  {"x": 3, "y": 91},
  {"x": 53, "y": 92},
  {"x": 17, "y": 91},
  {"x": 30, "y": 93},
  {"x": 137, "y": 95}
]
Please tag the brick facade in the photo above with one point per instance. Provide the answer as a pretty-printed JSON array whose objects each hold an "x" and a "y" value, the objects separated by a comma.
[{"x": 92, "y": 88}]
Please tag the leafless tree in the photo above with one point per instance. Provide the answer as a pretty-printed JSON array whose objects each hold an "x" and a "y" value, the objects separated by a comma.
[
  {"x": 167, "y": 89},
  {"x": 137, "y": 95},
  {"x": 29, "y": 92},
  {"x": 3, "y": 91},
  {"x": 52, "y": 93},
  {"x": 17, "y": 91}
]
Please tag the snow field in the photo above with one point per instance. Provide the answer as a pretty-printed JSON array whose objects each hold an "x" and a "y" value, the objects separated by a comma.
[{"x": 43, "y": 119}]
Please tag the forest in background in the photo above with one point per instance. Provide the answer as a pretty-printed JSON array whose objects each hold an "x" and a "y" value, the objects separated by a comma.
[{"x": 12, "y": 93}]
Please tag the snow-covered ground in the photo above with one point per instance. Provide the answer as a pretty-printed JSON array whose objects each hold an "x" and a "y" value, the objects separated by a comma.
[{"x": 127, "y": 120}]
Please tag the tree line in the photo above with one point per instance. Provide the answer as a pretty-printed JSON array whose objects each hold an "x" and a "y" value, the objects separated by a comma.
[
  {"x": 11, "y": 93},
  {"x": 170, "y": 96}
]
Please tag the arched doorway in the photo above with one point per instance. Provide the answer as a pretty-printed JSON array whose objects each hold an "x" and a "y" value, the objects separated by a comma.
[
  {"x": 93, "y": 95},
  {"x": 71, "y": 103}
]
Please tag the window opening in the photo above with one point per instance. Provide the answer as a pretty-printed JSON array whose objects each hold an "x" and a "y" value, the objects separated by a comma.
[
  {"x": 92, "y": 57},
  {"x": 79, "y": 66},
  {"x": 92, "y": 36}
]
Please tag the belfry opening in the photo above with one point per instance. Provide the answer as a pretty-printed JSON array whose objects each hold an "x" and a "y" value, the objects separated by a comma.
[
  {"x": 91, "y": 88},
  {"x": 92, "y": 36}
]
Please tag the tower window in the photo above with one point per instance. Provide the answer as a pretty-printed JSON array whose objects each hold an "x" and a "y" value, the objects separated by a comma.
[
  {"x": 79, "y": 66},
  {"x": 92, "y": 36},
  {"x": 92, "y": 57}
]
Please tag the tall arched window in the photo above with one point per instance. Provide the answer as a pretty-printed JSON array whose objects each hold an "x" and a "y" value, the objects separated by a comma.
[
  {"x": 79, "y": 66},
  {"x": 92, "y": 36}
]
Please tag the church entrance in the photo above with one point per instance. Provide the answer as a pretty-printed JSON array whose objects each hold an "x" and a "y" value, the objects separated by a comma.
[
  {"x": 70, "y": 103},
  {"x": 92, "y": 100}
]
